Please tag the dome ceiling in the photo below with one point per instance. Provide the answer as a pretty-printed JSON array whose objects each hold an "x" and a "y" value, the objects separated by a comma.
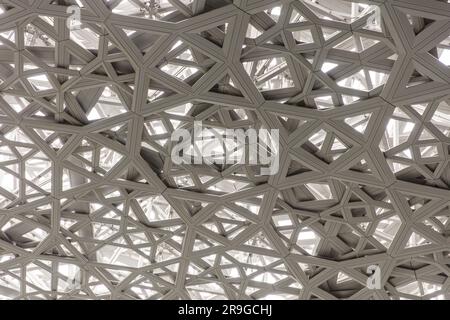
[{"x": 92, "y": 205}]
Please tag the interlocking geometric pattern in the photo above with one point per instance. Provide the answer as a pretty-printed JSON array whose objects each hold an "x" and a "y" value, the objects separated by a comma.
[{"x": 92, "y": 206}]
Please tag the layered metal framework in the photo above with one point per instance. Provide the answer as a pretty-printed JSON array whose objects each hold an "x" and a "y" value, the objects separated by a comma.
[{"x": 93, "y": 207}]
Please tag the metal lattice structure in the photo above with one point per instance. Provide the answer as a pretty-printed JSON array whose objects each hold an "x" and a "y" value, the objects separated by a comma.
[{"x": 92, "y": 207}]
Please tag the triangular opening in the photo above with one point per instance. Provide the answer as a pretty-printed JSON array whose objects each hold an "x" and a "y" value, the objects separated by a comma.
[
  {"x": 426, "y": 135},
  {"x": 72, "y": 179},
  {"x": 359, "y": 122},
  {"x": 296, "y": 16},
  {"x": 416, "y": 240},
  {"x": 259, "y": 240},
  {"x": 108, "y": 105}
]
